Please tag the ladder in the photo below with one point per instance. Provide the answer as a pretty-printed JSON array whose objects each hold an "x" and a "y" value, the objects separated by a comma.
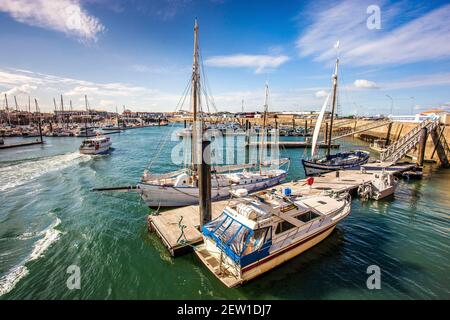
[{"x": 408, "y": 142}]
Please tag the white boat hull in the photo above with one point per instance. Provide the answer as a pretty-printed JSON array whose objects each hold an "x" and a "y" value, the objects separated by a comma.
[{"x": 156, "y": 196}]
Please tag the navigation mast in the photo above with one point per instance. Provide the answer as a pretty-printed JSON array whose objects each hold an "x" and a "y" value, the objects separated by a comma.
[
  {"x": 263, "y": 131},
  {"x": 333, "y": 106},
  {"x": 195, "y": 99}
]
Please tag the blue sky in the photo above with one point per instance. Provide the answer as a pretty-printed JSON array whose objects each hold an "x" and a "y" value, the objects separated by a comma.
[{"x": 138, "y": 53}]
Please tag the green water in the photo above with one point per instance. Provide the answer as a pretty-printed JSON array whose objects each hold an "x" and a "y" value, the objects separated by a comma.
[{"x": 49, "y": 220}]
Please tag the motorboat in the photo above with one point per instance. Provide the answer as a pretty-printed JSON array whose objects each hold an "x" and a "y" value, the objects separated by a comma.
[
  {"x": 257, "y": 233},
  {"x": 97, "y": 145}
]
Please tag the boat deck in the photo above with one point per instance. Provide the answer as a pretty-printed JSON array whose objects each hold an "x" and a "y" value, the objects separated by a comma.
[{"x": 166, "y": 225}]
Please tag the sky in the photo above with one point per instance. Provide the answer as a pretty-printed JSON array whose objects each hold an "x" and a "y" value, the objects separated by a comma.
[{"x": 138, "y": 53}]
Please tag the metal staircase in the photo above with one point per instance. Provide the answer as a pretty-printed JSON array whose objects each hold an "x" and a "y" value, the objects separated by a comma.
[{"x": 408, "y": 142}]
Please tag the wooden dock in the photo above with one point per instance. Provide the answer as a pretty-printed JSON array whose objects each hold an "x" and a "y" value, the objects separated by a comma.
[
  {"x": 18, "y": 145},
  {"x": 167, "y": 224},
  {"x": 292, "y": 144}
]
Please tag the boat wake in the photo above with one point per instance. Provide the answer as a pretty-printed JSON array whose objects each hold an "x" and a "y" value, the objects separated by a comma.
[
  {"x": 20, "y": 173},
  {"x": 13, "y": 276}
]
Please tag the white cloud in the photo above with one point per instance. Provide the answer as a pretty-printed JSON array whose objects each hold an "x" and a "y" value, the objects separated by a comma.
[
  {"x": 19, "y": 90},
  {"x": 258, "y": 62},
  {"x": 104, "y": 95},
  {"x": 321, "y": 94},
  {"x": 425, "y": 80},
  {"x": 423, "y": 38},
  {"x": 365, "y": 84},
  {"x": 67, "y": 16}
]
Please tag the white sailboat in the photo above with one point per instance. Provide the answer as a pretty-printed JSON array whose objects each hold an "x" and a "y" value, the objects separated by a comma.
[{"x": 180, "y": 188}]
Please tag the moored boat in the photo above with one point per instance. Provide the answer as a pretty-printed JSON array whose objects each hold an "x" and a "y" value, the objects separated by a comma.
[
  {"x": 256, "y": 234},
  {"x": 343, "y": 160},
  {"x": 180, "y": 188}
]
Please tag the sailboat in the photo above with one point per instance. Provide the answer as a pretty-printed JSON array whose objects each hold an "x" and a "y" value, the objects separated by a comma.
[
  {"x": 331, "y": 162},
  {"x": 180, "y": 188}
]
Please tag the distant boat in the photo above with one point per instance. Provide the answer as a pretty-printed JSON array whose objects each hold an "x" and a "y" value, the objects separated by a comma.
[
  {"x": 97, "y": 145},
  {"x": 257, "y": 233},
  {"x": 339, "y": 161},
  {"x": 85, "y": 132},
  {"x": 110, "y": 127}
]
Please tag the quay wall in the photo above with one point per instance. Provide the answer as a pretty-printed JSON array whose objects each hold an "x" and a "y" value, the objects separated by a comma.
[{"x": 398, "y": 129}]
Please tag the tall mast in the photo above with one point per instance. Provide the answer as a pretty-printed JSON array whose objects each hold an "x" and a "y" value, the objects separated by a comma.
[
  {"x": 195, "y": 93},
  {"x": 333, "y": 107},
  {"x": 29, "y": 110},
  {"x": 263, "y": 131},
  {"x": 39, "y": 119},
  {"x": 17, "y": 109},
  {"x": 62, "y": 110},
  {"x": 85, "y": 121},
  {"x": 7, "y": 109}
]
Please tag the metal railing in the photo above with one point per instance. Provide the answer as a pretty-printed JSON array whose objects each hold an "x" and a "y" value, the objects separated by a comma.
[{"x": 408, "y": 142}]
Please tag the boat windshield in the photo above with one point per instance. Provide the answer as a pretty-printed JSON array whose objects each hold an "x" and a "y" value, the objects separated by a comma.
[{"x": 242, "y": 244}]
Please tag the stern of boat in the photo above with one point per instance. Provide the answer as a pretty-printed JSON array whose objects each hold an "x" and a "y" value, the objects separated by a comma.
[{"x": 213, "y": 263}]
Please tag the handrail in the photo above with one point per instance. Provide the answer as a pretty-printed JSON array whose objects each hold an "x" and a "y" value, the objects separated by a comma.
[{"x": 397, "y": 150}]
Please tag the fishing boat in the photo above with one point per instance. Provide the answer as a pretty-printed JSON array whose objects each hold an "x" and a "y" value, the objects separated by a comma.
[
  {"x": 381, "y": 186},
  {"x": 180, "y": 188},
  {"x": 97, "y": 145},
  {"x": 331, "y": 162},
  {"x": 257, "y": 233}
]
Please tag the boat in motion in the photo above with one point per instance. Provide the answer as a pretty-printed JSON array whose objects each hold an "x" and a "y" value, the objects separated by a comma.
[
  {"x": 257, "y": 233},
  {"x": 96, "y": 145}
]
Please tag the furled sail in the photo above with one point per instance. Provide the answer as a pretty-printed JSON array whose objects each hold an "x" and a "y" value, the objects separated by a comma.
[{"x": 318, "y": 125}]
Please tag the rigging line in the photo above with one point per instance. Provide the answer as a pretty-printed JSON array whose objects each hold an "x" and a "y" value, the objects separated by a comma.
[
  {"x": 169, "y": 132},
  {"x": 206, "y": 82}
]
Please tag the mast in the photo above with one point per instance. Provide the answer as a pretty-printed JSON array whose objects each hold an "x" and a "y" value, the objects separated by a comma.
[
  {"x": 39, "y": 120},
  {"x": 7, "y": 110},
  {"x": 15, "y": 102},
  {"x": 335, "y": 82},
  {"x": 62, "y": 110},
  {"x": 263, "y": 131},
  {"x": 17, "y": 110},
  {"x": 85, "y": 121},
  {"x": 195, "y": 100}
]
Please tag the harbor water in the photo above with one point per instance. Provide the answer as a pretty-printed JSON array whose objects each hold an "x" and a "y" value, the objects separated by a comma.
[{"x": 50, "y": 220}]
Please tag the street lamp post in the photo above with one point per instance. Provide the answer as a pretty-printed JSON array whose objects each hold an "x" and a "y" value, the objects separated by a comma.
[{"x": 392, "y": 104}]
